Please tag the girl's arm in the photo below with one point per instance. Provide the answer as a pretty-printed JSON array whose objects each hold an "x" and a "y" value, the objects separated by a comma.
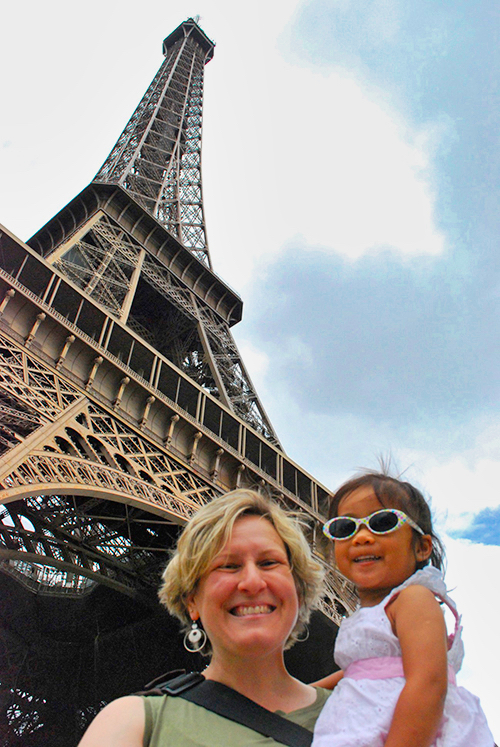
[
  {"x": 418, "y": 622},
  {"x": 330, "y": 681},
  {"x": 120, "y": 724}
]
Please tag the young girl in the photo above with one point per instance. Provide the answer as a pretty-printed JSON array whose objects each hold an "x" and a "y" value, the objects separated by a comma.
[{"x": 399, "y": 687}]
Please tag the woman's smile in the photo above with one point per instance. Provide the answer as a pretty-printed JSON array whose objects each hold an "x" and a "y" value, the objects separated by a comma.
[{"x": 261, "y": 609}]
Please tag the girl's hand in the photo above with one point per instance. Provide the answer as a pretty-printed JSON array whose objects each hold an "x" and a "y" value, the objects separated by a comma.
[{"x": 329, "y": 682}]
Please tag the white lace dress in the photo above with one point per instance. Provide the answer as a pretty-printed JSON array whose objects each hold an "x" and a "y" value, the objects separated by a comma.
[{"x": 359, "y": 711}]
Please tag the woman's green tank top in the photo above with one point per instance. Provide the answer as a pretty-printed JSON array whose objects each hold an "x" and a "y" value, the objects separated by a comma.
[{"x": 175, "y": 722}]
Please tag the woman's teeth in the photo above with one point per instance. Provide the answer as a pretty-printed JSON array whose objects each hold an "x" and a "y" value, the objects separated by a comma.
[{"x": 261, "y": 609}]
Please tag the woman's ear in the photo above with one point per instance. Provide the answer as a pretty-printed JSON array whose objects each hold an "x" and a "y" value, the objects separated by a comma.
[
  {"x": 192, "y": 608},
  {"x": 423, "y": 550}
]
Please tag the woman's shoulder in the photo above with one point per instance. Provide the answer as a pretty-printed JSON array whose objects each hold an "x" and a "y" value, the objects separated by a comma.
[
  {"x": 119, "y": 724},
  {"x": 308, "y": 715},
  {"x": 322, "y": 694}
]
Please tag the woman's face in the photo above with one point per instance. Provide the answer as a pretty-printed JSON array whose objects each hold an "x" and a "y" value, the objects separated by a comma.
[{"x": 247, "y": 600}]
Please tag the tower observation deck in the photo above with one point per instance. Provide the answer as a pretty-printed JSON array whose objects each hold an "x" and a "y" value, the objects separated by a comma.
[{"x": 124, "y": 407}]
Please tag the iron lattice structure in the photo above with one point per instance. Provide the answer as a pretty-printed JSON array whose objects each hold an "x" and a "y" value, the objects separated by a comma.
[
  {"x": 158, "y": 155},
  {"x": 124, "y": 407}
]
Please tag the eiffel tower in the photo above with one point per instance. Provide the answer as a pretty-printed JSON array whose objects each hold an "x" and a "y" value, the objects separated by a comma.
[{"x": 125, "y": 405}]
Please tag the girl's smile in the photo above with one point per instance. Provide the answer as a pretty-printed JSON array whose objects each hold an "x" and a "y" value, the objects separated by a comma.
[{"x": 377, "y": 563}]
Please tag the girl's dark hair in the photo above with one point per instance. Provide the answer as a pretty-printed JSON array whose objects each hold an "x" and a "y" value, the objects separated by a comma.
[{"x": 394, "y": 493}]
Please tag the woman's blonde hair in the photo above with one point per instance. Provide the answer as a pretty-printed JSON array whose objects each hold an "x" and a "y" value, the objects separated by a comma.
[{"x": 208, "y": 531}]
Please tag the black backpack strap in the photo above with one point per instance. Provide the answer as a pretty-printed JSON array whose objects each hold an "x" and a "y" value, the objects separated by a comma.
[
  {"x": 166, "y": 685},
  {"x": 226, "y": 702}
]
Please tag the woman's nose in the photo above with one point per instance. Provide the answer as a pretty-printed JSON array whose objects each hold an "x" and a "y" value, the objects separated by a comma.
[{"x": 251, "y": 578}]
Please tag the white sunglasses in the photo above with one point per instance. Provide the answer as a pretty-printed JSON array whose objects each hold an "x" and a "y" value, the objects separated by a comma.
[{"x": 381, "y": 522}]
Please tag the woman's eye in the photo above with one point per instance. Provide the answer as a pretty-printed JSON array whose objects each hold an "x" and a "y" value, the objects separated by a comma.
[{"x": 265, "y": 563}]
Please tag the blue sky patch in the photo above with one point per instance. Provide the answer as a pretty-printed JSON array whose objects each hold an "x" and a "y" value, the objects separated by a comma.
[{"x": 485, "y": 528}]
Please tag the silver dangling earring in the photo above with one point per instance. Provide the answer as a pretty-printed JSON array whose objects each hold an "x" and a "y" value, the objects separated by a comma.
[
  {"x": 195, "y": 639},
  {"x": 305, "y": 631}
]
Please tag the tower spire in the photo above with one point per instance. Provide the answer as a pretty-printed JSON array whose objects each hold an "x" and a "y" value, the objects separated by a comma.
[{"x": 157, "y": 158}]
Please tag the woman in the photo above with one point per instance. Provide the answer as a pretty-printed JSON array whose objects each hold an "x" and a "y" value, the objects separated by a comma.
[{"x": 242, "y": 574}]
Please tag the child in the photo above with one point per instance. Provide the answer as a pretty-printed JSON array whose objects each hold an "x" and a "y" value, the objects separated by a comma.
[{"x": 398, "y": 688}]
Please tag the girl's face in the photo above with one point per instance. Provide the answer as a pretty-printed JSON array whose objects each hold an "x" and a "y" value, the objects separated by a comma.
[
  {"x": 247, "y": 600},
  {"x": 377, "y": 563}
]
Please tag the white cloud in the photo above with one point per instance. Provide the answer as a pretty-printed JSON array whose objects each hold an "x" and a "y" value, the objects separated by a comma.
[
  {"x": 353, "y": 177},
  {"x": 315, "y": 158},
  {"x": 469, "y": 578}
]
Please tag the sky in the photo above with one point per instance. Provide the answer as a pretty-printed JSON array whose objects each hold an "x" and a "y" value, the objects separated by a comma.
[{"x": 350, "y": 173}]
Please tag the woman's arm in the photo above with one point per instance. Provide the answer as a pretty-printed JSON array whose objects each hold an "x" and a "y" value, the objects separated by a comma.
[
  {"x": 330, "y": 681},
  {"x": 120, "y": 724},
  {"x": 418, "y": 622}
]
